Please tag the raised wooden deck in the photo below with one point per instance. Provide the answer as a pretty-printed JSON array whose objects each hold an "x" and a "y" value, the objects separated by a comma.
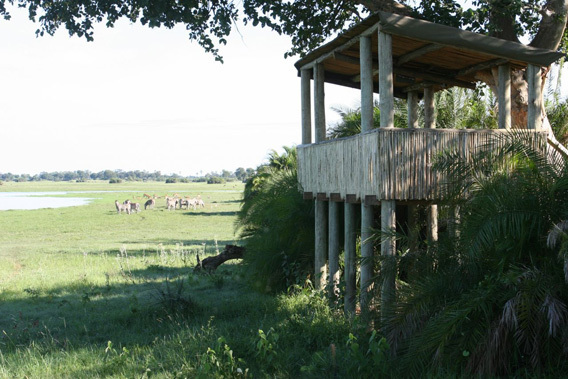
[{"x": 387, "y": 164}]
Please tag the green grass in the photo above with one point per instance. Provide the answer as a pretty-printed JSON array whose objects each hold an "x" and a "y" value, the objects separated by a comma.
[{"x": 86, "y": 292}]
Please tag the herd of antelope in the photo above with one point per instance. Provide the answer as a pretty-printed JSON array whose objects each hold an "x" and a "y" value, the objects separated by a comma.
[{"x": 172, "y": 202}]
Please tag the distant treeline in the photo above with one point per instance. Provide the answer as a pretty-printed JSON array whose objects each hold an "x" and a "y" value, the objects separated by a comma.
[{"x": 137, "y": 175}]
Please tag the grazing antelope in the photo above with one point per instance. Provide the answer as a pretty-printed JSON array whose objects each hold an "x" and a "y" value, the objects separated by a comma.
[
  {"x": 133, "y": 206},
  {"x": 171, "y": 203},
  {"x": 192, "y": 203},
  {"x": 150, "y": 203},
  {"x": 122, "y": 207},
  {"x": 184, "y": 202}
]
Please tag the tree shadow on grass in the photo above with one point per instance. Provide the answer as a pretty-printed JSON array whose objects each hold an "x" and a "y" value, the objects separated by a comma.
[
  {"x": 157, "y": 328},
  {"x": 186, "y": 243},
  {"x": 199, "y": 214},
  {"x": 83, "y": 313}
]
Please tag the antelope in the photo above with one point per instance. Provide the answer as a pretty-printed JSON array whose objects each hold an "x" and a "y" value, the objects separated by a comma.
[
  {"x": 171, "y": 203},
  {"x": 122, "y": 207},
  {"x": 133, "y": 206},
  {"x": 184, "y": 202},
  {"x": 150, "y": 203}
]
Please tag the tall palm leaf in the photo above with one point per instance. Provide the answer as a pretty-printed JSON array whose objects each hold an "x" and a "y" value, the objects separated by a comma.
[
  {"x": 494, "y": 299},
  {"x": 276, "y": 224}
]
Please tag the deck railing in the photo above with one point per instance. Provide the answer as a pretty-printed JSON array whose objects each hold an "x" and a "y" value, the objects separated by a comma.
[{"x": 391, "y": 164}]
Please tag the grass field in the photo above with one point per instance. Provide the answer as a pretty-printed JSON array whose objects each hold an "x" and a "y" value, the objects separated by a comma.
[{"x": 86, "y": 292}]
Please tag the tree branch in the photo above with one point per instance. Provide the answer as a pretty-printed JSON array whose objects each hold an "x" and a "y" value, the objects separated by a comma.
[
  {"x": 385, "y": 6},
  {"x": 552, "y": 25}
]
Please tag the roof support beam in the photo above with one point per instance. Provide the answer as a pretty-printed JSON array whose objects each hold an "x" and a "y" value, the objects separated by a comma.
[
  {"x": 481, "y": 66},
  {"x": 450, "y": 81},
  {"x": 366, "y": 54},
  {"x": 504, "y": 96},
  {"x": 418, "y": 86},
  {"x": 341, "y": 47},
  {"x": 346, "y": 58},
  {"x": 386, "y": 83},
  {"x": 306, "y": 107},
  {"x": 412, "y": 107},
  {"x": 534, "y": 112},
  {"x": 405, "y": 58},
  {"x": 319, "y": 102}
]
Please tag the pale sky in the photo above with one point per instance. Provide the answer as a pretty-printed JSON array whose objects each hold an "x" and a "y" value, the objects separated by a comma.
[{"x": 146, "y": 99}]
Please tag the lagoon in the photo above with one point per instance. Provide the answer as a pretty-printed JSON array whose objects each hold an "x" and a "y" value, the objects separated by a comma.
[{"x": 38, "y": 200}]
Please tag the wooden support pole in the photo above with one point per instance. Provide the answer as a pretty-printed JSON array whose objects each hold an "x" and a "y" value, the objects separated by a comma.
[
  {"x": 454, "y": 221},
  {"x": 429, "y": 108},
  {"x": 413, "y": 228},
  {"x": 504, "y": 96},
  {"x": 350, "y": 256},
  {"x": 432, "y": 221},
  {"x": 367, "y": 222},
  {"x": 320, "y": 206},
  {"x": 386, "y": 89},
  {"x": 366, "y": 64},
  {"x": 319, "y": 102},
  {"x": 321, "y": 245},
  {"x": 306, "y": 106},
  {"x": 333, "y": 247},
  {"x": 412, "y": 108},
  {"x": 388, "y": 250},
  {"x": 430, "y": 123},
  {"x": 534, "y": 112}
]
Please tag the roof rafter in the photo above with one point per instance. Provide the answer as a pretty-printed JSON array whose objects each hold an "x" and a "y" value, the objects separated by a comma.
[{"x": 410, "y": 56}]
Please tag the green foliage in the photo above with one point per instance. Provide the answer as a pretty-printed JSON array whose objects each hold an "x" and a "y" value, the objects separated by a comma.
[
  {"x": 456, "y": 108},
  {"x": 267, "y": 345},
  {"x": 173, "y": 300},
  {"x": 209, "y": 23},
  {"x": 459, "y": 108},
  {"x": 367, "y": 359},
  {"x": 557, "y": 113},
  {"x": 350, "y": 123},
  {"x": 115, "y": 181},
  {"x": 277, "y": 224},
  {"x": 215, "y": 180},
  {"x": 171, "y": 180},
  {"x": 494, "y": 299},
  {"x": 221, "y": 363}
]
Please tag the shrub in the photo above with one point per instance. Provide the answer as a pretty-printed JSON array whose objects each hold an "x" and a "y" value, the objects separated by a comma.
[
  {"x": 492, "y": 299},
  {"x": 171, "y": 180},
  {"x": 115, "y": 181},
  {"x": 216, "y": 180},
  {"x": 277, "y": 225}
]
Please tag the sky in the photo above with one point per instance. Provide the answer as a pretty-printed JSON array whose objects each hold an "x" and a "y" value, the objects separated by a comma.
[{"x": 146, "y": 99}]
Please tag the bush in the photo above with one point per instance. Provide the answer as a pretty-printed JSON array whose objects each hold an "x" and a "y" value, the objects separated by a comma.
[
  {"x": 115, "y": 181},
  {"x": 171, "y": 180},
  {"x": 216, "y": 180},
  {"x": 278, "y": 226}
]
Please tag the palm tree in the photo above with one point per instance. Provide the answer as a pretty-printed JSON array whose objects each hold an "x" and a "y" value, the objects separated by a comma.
[
  {"x": 494, "y": 299},
  {"x": 456, "y": 108},
  {"x": 277, "y": 224},
  {"x": 459, "y": 108}
]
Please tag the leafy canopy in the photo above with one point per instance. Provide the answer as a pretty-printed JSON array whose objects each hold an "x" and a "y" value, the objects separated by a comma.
[{"x": 307, "y": 22}]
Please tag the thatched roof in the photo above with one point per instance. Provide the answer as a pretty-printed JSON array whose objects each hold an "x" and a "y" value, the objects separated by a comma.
[{"x": 424, "y": 53}]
